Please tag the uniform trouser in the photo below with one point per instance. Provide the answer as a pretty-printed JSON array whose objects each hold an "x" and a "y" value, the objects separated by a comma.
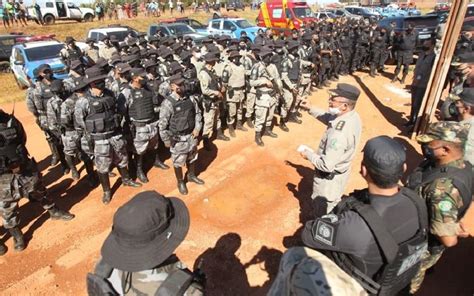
[
  {"x": 323, "y": 73},
  {"x": 108, "y": 152},
  {"x": 428, "y": 260},
  {"x": 146, "y": 138},
  {"x": 327, "y": 193},
  {"x": 234, "y": 107},
  {"x": 417, "y": 94},
  {"x": 403, "y": 60},
  {"x": 211, "y": 117},
  {"x": 337, "y": 65},
  {"x": 346, "y": 61},
  {"x": 288, "y": 100},
  {"x": 15, "y": 186},
  {"x": 264, "y": 114},
  {"x": 183, "y": 150},
  {"x": 250, "y": 104}
]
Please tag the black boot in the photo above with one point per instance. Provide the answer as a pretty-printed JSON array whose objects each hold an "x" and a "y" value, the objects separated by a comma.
[
  {"x": 57, "y": 214},
  {"x": 221, "y": 136},
  {"x": 3, "y": 249},
  {"x": 249, "y": 122},
  {"x": 105, "y": 182},
  {"x": 240, "y": 126},
  {"x": 258, "y": 139},
  {"x": 269, "y": 132},
  {"x": 294, "y": 118},
  {"x": 159, "y": 164},
  {"x": 126, "y": 180},
  {"x": 231, "y": 130},
  {"x": 140, "y": 173},
  {"x": 179, "y": 177},
  {"x": 403, "y": 79},
  {"x": 18, "y": 240},
  {"x": 54, "y": 153},
  {"x": 192, "y": 175},
  {"x": 70, "y": 162},
  {"x": 91, "y": 176},
  {"x": 372, "y": 72},
  {"x": 282, "y": 125},
  {"x": 207, "y": 143}
]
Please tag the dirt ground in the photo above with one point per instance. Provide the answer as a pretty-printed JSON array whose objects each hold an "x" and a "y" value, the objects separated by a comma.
[{"x": 243, "y": 218}]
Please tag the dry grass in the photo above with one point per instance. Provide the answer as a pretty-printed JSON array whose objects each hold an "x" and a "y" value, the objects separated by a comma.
[{"x": 10, "y": 92}]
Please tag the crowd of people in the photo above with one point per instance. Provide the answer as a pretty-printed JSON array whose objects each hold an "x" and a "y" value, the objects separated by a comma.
[
  {"x": 124, "y": 103},
  {"x": 13, "y": 13}
]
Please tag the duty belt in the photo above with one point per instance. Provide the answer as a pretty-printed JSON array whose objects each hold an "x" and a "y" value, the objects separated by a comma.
[
  {"x": 143, "y": 123},
  {"x": 325, "y": 175},
  {"x": 239, "y": 88},
  {"x": 103, "y": 136},
  {"x": 181, "y": 134}
]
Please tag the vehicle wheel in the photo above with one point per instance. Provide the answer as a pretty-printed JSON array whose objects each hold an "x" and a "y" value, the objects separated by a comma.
[
  {"x": 88, "y": 18},
  {"x": 49, "y": 19},
  {"x": 21, "y": 86}
]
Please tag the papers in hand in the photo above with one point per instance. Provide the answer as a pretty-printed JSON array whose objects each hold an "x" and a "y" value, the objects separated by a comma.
[{"x": 302, "y": 148}]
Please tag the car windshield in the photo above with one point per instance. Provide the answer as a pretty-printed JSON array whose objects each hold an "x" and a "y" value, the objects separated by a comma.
[
  {"x": 181, "y": 30},
  {"x": 43, "y": 52},
  {"x": 120, "y": 35},
  {"x": 303, "y": 12},
  {"x": 244, "y": 24}
]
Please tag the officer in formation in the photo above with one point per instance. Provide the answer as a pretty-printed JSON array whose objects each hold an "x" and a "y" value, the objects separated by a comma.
[
  {"x": 19, "y": 177},
  {"x": 404, "y": 47},
  {"x": 332, "y": 160}
]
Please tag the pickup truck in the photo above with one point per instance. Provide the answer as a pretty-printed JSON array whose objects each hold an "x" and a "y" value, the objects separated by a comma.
[
  {"x": 119, "y": 31},
  {"x": 232, "y": 27},
  {"x": 175, "y": 29},
  {"x": 62, "y": 10}
]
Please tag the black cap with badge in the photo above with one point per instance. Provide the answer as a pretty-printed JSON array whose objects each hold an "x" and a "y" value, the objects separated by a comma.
[
  {"x": 384, "y": 155},
  {"x": 346, "y": 90}
]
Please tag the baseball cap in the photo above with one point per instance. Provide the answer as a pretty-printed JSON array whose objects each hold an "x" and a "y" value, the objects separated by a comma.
[
  {"x": 384, "y": 154},
  {"x": 449, "y": 131},
  {"x": 346, "y": 90}
]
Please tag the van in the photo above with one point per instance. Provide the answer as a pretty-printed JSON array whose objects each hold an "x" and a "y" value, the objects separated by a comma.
[{"x": 284, "y": 14}]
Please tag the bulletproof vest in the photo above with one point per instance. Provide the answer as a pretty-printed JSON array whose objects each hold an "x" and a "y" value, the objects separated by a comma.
[
  {"x": 67, "y": 116},
  {"x": 102, "y": 117},
  {"x": 237, "y": 79},
  {"x": 277, "y": 60},
  {"x": 12, "y": 149},
  {"x": 461, "y": 178},
  {"x": 73, "y": 54},
  {"x": 142, "y": 107},
  {"x": 214, "y": 82},
  {"x": 183, "y": 120},
  {"x": 408, "y": 42},
  {"x": 294, "y": 70},
  {"x": 44, "y": 97},
  {"x": 346, "y": 42},
  {"x": 401, "y": 262},
  {"x": 191, "y": 82}
]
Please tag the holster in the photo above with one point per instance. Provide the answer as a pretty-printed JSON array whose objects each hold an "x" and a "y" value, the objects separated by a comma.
[
  {"x": 324, "y": 175},
  {"x": 230, "y": 92}
]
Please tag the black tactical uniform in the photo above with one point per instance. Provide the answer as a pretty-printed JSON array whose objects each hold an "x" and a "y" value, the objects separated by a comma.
[{"x": 405, "y": 46}]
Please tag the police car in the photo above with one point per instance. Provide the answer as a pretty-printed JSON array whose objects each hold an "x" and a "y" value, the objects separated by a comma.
[
  {"x": 30, "y": 52},
  {"x": 232, "y": 27}
]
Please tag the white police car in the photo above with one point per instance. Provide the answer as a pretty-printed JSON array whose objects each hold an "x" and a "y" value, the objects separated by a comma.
[{"x": 31, "y": 52}]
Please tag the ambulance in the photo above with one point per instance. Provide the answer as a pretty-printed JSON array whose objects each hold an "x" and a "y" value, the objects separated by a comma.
[{"x": 284, "y": 14}]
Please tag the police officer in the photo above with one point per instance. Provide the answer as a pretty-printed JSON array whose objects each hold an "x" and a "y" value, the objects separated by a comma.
[
  {"x": 248, "y": 61},
  {"x": 108, "y": 49},
  {"x": 377, "y": 50},
  {"x": 72, "y": 134},
  {"x": 37, "y": 104},
  {"x": 212, "y": 95},
  {"x": 102, "y": 123},
  {"x": 91, "y": 51},
  {"x": 337, "y": 148},
  {"x": 290, "y": 75},
  {"x": 233, "y": 79},
  {"x": 265, "y": 103},
  {"x": 371, "y": 233},
  {"x": 142, "y": 109},
  {"x": 19, "y": 177},
  {"x": 138, "y": 255},
  {"x": 71, "y": 52},
  {"x": 180, "y": 125},
  {"x": 444, "y": 181},
  {"x": 305, "y": 53},
  {"x": 405, "y": 46},
  {"x": 325, "y": 67}
]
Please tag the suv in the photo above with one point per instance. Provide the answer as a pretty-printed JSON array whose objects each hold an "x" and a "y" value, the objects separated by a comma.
[
  {"x": 118, "y": 30},
  {"x": 6, "y": 45},
  {"x": 325, "y": 15},
  {"x": 232, "y": 27},
  {"x": 196, "y": 25},
  {"x": 341, "y": 12},
  {"x": 362, "y": 11},
  {"x": 30, "y": 53},
  {"x": 175, "y": 29},
  {"x": 62, "y": 10}
]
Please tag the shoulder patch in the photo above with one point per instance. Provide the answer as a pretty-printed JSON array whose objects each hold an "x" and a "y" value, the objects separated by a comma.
[
  {"x": 340, "y": 125},
  {"x": 445, "y": 205},
  {"x": 324, "y": 232}
]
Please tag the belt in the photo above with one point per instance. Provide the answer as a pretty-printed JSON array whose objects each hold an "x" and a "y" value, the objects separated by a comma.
[
  {"x": 265, "y": 91},
  {"x": 141, "y": 123},
  {"x": 239, "y": 88},
  {"x": 102, "y": 136}
]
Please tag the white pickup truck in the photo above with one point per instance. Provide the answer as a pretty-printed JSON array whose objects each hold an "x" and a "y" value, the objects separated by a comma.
[{"x": 53, "y": 10}]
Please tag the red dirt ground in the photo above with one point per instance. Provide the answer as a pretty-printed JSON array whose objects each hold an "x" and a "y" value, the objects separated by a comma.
[{"x": 243, "y": 218}]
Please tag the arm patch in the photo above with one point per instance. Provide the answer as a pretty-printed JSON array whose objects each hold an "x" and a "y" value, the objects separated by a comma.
[{"x": 324, "y": 232}]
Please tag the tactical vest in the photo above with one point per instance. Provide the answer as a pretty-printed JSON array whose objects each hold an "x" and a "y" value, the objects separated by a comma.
[
  {"x": 294, "y": 70},
  {"x": 142, "y": 108},
  {"x": 408, "y": 42},
  {"x": 214, "y": 82},
  {"x": 102, "y": 118},
  {"x": 401, "y": 262},
  {"x": 11, "y": 142},
  {"x": 462, "y": 180},
  {"x": 73, "y": 54},
  {"x": 191, "y": 82},
  {"x": 42, "y": 101},
  {"x": 183, "y": 120}
]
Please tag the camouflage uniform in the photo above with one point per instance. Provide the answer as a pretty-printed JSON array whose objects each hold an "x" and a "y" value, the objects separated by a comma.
[
  {"x": 250, "y": 94},
  {"x": 234, "y": 77},
  {"x": 92, "y": 52},
  {"x": 305, "y": 83},
  {"x": 209, "y": 88},
  {"x": 266, "y": 102},
  {"x": 290, "y": 84},
  {"x": 106, "y": 52},
  {"x": 443, "y": 199}
]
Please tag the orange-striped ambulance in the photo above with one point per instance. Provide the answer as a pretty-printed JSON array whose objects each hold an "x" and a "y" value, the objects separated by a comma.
[{"x": 284, "y": 14}]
